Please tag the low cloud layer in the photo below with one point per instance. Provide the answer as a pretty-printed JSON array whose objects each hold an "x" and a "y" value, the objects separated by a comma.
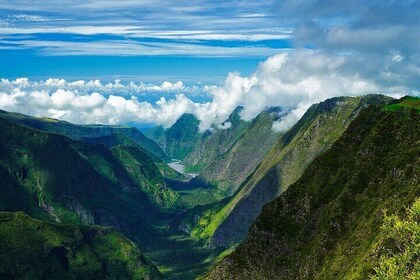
[
  {"x": 293, "y": 81},
  {"x": 116, "y": 87},
  {"x": 296, "y": 80}
]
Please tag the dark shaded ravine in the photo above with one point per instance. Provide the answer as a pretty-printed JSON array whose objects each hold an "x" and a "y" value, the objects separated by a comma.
[{"x": 172, "y": 250}]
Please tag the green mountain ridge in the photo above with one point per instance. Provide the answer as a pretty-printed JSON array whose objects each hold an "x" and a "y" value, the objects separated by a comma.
[
  {"x": 330, "y": 223},
  {"x": 179, "y": 139},
  {"x": 120, "y": 139},
  {"x": 34, "y": 249},
  {"x": 215, "y": 142},
  {"x": 226, "y": 157},
  {"x": 314, "y": 133},
  {"x": 50, "y": 176},
  {"x": 79, "y": 132},
  {"x": 150, "y": 178},
  {"x": 222, "y": 156}
]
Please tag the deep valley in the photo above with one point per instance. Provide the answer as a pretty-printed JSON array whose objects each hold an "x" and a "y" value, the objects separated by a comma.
[{"x": 243, "y": 202}]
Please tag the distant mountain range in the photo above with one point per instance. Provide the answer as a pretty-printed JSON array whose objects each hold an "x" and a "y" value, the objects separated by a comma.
[{"x": 87, "y": 131}]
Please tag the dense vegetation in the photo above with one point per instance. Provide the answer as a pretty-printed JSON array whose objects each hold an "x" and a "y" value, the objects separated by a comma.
[
  {"x": 57, "y": 179},
  {"x": 315, "y": 132},
  {"x": 398, "y": 250},
  {"x": 226, "y": 157},
  {"x": 120, "y": 139},
  {"x": 145, "y": 174},
  {"x": 330, "y": 223},
  {"x": 53, "y": 177},
  {"x": 178, "y": 140},
  {"x": 86, "y": 131},
  {"x": 33, "y": 249}
]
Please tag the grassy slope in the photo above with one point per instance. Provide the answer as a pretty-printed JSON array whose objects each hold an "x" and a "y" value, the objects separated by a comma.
[
  {"x": 112, "y": 140},
  {"x": 170, "y": 173},
  {"x": 155, "y": 132},
  {"x": 405, "y": 102},
  {"x": 121, "y": 139},
  {"x": 146, "y": 174},
  {"x": 321, "y": 125},
  {"x": 86, "y": 131},
  {"x": 116, "y": 139},
  {"x": 328, "y": 224},
  {"x": 54, "y": 178},
  {"x": 33, "y": 249}
]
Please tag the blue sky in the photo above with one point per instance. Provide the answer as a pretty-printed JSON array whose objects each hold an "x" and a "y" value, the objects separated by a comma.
[
  {"x": 150, "y": 61},
  {"x": 148, "y": 40}
]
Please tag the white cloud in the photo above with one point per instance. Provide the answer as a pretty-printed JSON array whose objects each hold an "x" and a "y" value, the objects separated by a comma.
[
  {"x": 135, "y": 48},
  {"x": 396, "y": 56},
  {"x": 166, "y": 86},
  {"x": 55, "y": 82},
  {"x": 255, "y": 15},
  {"x": 28, "y": 18},
  {"x": 116, "y": 87},
  {"x": 160, "y": 14},
  {"x": 292, "y": 81},
  {"x": 225, "y": 125},
  {"x": 9, "y": 101},
  {"x": 21, "y": 82},
  {"x": 355, "y": 26},
  {"x": 290, "y": 118},
  {"x": 364, "y": 47},
  {"x": 142, "y": 32},
  {"x": 298, "y": 79}
]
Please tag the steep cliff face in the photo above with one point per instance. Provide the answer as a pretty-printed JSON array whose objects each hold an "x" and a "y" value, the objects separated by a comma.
[
  {"x": 155, "y": 132},
  {"x": 143, "y": 171},
  {"x": 233, "y": 167},
  {"x": 317, "y": 130},
  {"x": 87, "y": 131},
  {"x": 327, "y": 225},
  {"x": 33, "y": 249},
  {"x": 216, "y": 141},
  {"x": 53, "y": 177},
  {"x": 228, "y": 155},
  {"x": 178, "y": 140}
]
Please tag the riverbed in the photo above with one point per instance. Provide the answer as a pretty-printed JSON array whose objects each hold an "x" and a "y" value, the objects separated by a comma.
[{"x": 179, "y": 167}]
